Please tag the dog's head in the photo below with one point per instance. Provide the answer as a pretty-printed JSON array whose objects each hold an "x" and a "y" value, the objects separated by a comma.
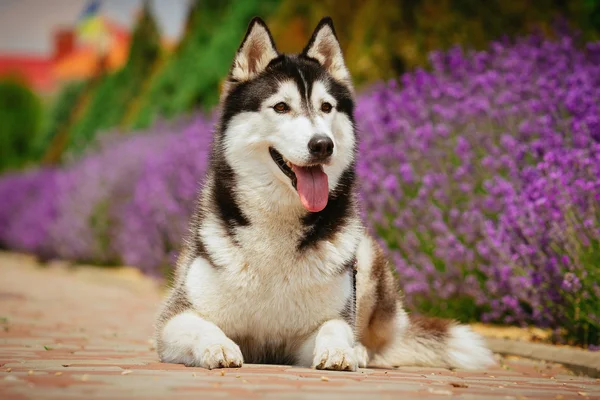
[{"x": 288, "y": 119}]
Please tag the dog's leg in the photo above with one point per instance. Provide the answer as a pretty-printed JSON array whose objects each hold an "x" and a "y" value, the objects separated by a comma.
[
  {"x": 191, "y": 340},
  {"x": 362, "y": 355},
  {"x": 330, "y": 347},
  {"x": 394, "y": 338}
]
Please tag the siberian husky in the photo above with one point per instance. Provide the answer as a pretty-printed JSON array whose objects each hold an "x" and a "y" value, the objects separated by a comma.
[{"x": 277, "y": 267}]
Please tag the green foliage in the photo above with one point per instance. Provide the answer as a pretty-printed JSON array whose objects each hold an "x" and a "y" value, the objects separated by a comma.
[
  {"x": 192, "y": 77},
  {"x": 58, "y": 116},
  {"x": 116, "y": 91},
  {"x": 382, "y": 39},
  {"x": 21, "y": 119},
  {"x": 101, "y": 111},
  {"x": 145, "y": 44},
  {"x": 589, "y": 15}
]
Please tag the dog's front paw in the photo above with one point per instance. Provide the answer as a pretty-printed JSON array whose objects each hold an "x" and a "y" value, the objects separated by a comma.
[
  {"x": 337, "y": 359},
  {"x": 362, "y": 355},
  {"x": 221, "y": 355}
]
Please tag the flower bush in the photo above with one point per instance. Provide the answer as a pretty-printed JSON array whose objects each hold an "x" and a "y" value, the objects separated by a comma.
[
  {"x": 481, "y": 178},
  {"x": 128, "y": 201}
]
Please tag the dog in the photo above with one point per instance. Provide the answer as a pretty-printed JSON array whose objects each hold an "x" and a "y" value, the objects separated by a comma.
[{"x": 277, "y": 267}]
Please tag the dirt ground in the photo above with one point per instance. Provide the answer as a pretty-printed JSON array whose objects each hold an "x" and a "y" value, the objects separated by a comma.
[{"x": 84, "y": 333}]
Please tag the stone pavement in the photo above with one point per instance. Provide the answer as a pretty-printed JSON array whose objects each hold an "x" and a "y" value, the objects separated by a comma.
[{"x": 83, "y": 333}]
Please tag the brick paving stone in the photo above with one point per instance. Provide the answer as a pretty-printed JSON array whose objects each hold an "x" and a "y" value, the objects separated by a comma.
[{"x": 85, "y": 333}]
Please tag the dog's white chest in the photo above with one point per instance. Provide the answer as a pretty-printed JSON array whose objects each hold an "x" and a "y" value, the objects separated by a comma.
[{"x": 262, "y": 306}]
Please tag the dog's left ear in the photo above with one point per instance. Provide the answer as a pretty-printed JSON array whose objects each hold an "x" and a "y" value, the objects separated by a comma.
[
  {"x": 325, "y": 48},
  {"x": 255, "y": 52}
]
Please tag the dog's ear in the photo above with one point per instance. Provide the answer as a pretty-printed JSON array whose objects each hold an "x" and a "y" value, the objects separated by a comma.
[
  {"x": 255, "y": 52},
  {"x": 325, "y": 48}
]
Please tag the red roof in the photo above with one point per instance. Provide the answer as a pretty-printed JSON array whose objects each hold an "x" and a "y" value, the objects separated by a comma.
[
  {"x": 82, "y": 61},
  {"x": 35, "y": 70},
  {"x": 43, "y": 73}
]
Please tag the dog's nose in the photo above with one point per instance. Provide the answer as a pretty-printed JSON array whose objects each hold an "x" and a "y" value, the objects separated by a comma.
[{"x": 320, "y": 146}]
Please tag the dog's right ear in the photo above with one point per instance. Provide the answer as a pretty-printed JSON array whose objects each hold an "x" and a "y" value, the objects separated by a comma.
[{"x": 255, "y": 52}]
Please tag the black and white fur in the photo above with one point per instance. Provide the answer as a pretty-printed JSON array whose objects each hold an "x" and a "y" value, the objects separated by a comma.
[{"x": 263, "y": 280}]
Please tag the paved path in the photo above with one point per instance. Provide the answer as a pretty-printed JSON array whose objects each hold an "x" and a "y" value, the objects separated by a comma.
[{"x": 84, "y": 334}]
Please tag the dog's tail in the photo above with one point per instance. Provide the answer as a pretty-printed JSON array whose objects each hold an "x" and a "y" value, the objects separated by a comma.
[{"x": 433, "y": 342}]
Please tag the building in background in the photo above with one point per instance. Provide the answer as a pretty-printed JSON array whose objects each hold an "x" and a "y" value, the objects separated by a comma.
[
  {"x": 78, "y": 59},
  {"x": 93, "y": 42},
  {"x": 35, "y": 70},
  {"x": 46, "y": 49}
]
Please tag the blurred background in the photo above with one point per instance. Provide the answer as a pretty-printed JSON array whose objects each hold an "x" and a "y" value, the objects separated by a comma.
[{"x": 479, "y": 124}]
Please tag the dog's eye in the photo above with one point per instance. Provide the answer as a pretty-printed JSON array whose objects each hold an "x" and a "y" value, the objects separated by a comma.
[
  {"x": 281, "y": 108},
  {"x": 326, "y": 107}
]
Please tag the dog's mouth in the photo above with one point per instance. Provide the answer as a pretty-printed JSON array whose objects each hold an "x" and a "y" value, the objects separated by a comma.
[
  {"x": 284, "y": 165},
  {"x": 310, "y": 181}
]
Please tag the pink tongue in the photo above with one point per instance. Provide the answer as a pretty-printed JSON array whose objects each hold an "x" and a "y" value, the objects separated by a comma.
[{"x": 312, "y": 187}]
